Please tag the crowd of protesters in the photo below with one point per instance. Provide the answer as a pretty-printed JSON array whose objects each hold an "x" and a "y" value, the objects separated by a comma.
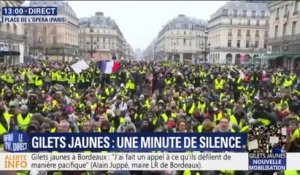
[{"x": 149, "y": 97}]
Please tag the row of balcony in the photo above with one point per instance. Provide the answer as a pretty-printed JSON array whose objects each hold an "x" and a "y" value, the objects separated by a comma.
[
  {"x": 10, "y": 37},
  {"x": 284, "y": 38},
  {"x": 257, "y": 36},
  {"x": 243, "y": 15}
]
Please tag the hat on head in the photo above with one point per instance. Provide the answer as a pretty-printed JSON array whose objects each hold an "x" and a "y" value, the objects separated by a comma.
[{"x": 24, "y": 108}]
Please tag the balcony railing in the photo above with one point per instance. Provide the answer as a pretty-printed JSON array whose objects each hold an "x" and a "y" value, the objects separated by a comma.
[
  {"x": 10, "y": 37},
  {"x": 284, "y": 38}
]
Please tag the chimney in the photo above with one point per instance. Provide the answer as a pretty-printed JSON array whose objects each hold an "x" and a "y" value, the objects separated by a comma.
[{"x": 99, "y": 13}]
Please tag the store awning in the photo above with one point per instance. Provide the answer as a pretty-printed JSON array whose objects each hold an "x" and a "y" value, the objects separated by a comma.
[
  {"x": 9, "y": 53},
  {"x": 271, "y": 57},
  {"x": 296, "y": 57}
]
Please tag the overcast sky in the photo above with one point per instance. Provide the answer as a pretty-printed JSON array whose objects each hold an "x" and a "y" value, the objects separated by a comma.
[{"x": 140, "y": 21}]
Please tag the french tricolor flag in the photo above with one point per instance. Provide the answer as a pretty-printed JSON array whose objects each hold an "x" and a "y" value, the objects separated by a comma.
[{"x": 109, "y": 67}]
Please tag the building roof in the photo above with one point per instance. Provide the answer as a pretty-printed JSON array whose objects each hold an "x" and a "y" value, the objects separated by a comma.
[
  {"x": 182, "y": 19},
  {"x": 60, "y": 4},
  {"x": 99, "y": 21},
  {"x": 241, "y": 5}
]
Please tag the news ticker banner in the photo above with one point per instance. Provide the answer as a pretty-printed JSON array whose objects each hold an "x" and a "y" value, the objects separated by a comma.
[
  {"x": 134, "y": 142},
  {"x": 227, "y": 150},
  {"x": 31, "y": 15},
  {"x": 144, "y": 161}
]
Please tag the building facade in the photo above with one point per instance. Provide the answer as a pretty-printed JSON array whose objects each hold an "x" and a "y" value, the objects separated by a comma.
[
  {"x": 238, "y": 33},
  {"x": 12, "y": 38},
  {"x": 182, "y": 39},
  {"x": 149, "y": 54},
  {"x": 57, "y": 42},
  {"x": 284, "y": 29},
  {"x": 100, "y": 38}
]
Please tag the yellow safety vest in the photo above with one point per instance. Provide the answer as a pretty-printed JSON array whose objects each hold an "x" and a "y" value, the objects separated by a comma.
[
  {"x": 72, "y": 79},
  {"x": 219, "y": 85},
  {"x": 130, "y": 85},
  {"x": 23, "y": 123},
  {"x": 296, "y": 134},
  {"x": 265, "y": 122},
  {"x": 7, "y": 117},
  {"x": 200, "y": 128},
  {"x": 53, "y": 76},
  {"x": 10, "y": 79},
  {"x": 217, "y": 117},
  {"x": 202, "y": 107},
  {"x": 38, "y": 82},
  {"x": 31, "y": 79},
  {"x": 111, "y": 129},
  {"x": 288, "y": 83},
  {"x": 191, "y": 110},
  {"x": 188, "y": 172},
  {"x": 291, "y": 172},
  {"x": 233, "y": 120}
]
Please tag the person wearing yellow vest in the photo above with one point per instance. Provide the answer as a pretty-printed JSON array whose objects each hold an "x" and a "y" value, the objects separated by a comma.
[
  {"x": 189, "y": 107},
  {"x": 31, "y": 79},
  {"x": 38, "y": 81},
  {"x": 130, "y": 85},
  {"x": 4, "y": 121},
  {"x": 219, "y": 83},
  {"x": 72, "y": 78},
  {"x": 24, "y": 118},
  {"x": 106, "y": 127},
  {"x": 223, "y": 126},
  {"x": 238, "y": 119},
  {"x": 206, "y": 126}
]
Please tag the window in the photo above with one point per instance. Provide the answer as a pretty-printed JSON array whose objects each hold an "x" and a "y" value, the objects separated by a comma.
[
  {"x": 248, "y": 33},
  {"x": 247, "y": 43},
  {"x": 253, "y": 14},
  {"x": 229, "y": 43},
  {"x": 244, "y": 13},
  {"x": 296, "y": 6},
  {"x": 230, "y": 21},
  {"x": 184, "y": 32},
  {"x": 225, "y": 12},
  {"x": 256, "y": 44},
  {"x": 230, "y": 32},
  {"x": 98, "y": 39},
  {"x": 286, "y": 10},
  {"x": 54, "y": 39},
  {"x": 248, "y": 22},
  {"x": 103, "y": 39},
  {"x": 294, "y": 28},
  {"x": 239, "y": 32},
  {"x": 238, "y": 43},
  {"x": 15, "y": 29},
  {"x": 265, "y": 44},
  {"x": 277, "y": 13},
  {"x": 184, "y": 41},
  {"x": 190, "y": 42},
  {"x": 257, "y": 22},
  {"x": 262, "y": 14},
  {"x": 257, "y": 33},
  {"x": 266, "y": 34},
  {"x": 235, "y": 13},
  {"x": 276, "y": 31},
  {"x": 284, "y": 29}
]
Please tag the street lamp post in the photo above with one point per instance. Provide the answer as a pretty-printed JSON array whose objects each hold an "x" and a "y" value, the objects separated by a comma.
[
  {"x": 206, "y": 45},
  {"x": 173, "y": 56},
  {"x": 252, "y": 53},
  {"x": 91, "y": 43}
]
